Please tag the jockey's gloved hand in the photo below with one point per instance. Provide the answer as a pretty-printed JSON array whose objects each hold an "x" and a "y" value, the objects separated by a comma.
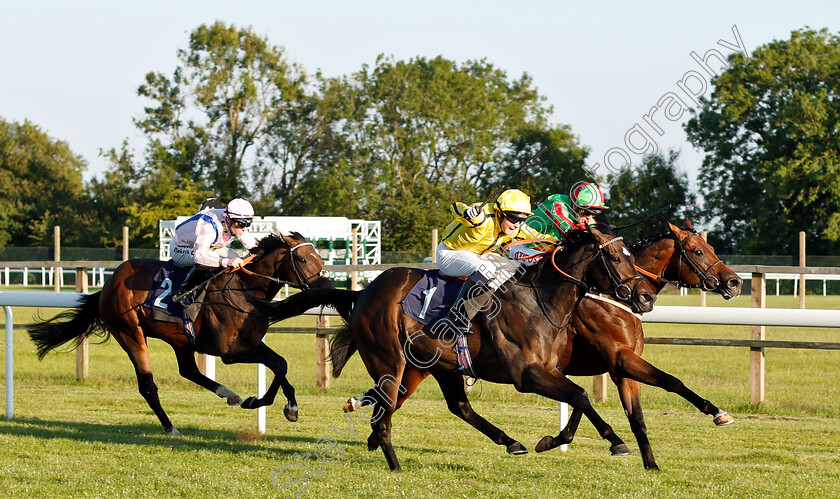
[{"x": 471, "y": 212}]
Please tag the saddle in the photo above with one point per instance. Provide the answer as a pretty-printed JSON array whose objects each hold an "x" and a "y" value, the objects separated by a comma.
[
  {"x": 168, "y": 279},
  {"x": 431, "y": 298}
]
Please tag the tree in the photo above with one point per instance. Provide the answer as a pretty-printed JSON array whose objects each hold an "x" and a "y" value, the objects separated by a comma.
[
  {"x": 408, "y": 138},
  {"x": 771, "y": 131},
  {"x": 646, "y": 187},
  {"x": 40, "y": 187},
  {"x": 209, "y": 122}
]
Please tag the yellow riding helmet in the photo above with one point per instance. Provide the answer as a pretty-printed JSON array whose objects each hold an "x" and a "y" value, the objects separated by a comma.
[{"x": 514, "y": 201}]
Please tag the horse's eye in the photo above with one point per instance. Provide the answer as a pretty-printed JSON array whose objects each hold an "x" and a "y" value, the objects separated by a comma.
[
  {"x": 698, "y": 252},
  {"x": 302, "y": 261},
  {"x": 616, "y": 259}
]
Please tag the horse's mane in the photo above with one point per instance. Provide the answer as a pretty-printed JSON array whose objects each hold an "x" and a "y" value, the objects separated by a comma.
[
  {"x": 272, "y": 242},
  {"x": 646, "y": 241},
  {"x": 573, "y": 239}
]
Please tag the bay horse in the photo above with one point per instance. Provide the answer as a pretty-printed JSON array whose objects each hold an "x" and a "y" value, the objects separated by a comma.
[
  {"x": 514, "y": 343},
  {"x": 606, "y": 338},
  {"x": 226, "y": 325}
]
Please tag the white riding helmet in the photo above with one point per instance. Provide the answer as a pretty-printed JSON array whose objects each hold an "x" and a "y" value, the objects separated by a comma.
[{"x": 239, "y": 209}]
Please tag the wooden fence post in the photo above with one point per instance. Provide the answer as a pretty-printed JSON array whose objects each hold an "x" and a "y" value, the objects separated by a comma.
[
  {"x": 322, "y": 350},
  {"x": 57, "y": 252},
  {"x": 125, "y": 243},
  {"x": 801, "y": 264},
  {"x": 599, "y": 388},
  {"x": 758, "y": 300},
  {"x": 704, "y": 235},
  {"x": 354, "y": 260},
  {"x": 82, "y": 350},
  {"x": 434, "y": 245}
]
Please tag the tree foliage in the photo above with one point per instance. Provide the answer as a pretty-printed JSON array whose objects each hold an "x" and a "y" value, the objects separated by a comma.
[
  {"x": 40, "y": 187},
  {"x": 646, "y": 187},
  {"x": 407, "y": 138},
  {"x": 772, "y": 137}
]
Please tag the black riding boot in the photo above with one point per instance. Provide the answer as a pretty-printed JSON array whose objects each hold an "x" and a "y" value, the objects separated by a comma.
[
  {"x": 195, "y": 278},
  {"x": 460, "y": 315}
]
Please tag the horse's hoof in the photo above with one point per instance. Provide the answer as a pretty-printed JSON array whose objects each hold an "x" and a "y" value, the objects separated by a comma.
[
  {"x": 544, "y": 444},
  {"x": 516, "y": 449},
  {"x": 620, "y": 450},
  {"x": 723, "y": 418},
  {"x": 291, "y": 412},
  {"x": 235, "y": 400},
  {"x": 174, "y": 431},
  {"x": 373, "y": 443},
  {"x": 353, "y": 404},
  {"x": 249, "y": 403}
]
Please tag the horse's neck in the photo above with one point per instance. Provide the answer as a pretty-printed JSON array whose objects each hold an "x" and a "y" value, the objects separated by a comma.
[
  {"x": 560, "y": 293},
  {"x": 655, "y": 258}
]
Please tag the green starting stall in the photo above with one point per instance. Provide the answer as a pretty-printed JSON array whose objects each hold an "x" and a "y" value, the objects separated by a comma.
[{"x": 333, "y": 236}]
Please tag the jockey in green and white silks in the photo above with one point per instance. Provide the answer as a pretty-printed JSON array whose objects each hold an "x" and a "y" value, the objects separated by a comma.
[{"x": 559, "y": 214}]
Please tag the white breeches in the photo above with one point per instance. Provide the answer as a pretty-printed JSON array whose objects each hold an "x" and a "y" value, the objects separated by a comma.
[{"x": 459, "y": 263}]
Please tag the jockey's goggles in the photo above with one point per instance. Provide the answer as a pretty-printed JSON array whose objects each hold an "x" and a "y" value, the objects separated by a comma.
[
  {"x": 514, "y": 217},
  {"x": 241, "y": 223}
]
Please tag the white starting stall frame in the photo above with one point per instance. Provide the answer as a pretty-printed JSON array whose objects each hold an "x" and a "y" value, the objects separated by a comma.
[{"x": 336, "y": 233}]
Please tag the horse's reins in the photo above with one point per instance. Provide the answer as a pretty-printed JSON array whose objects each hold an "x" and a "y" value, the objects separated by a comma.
[
  {"x": 622, "y": 291},
  {"x": 304, "y": 281}
]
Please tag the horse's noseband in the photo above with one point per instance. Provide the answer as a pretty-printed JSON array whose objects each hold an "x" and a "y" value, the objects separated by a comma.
[
  {"x": 621, "y": 290},
  {"x": 707, "y": 282}
]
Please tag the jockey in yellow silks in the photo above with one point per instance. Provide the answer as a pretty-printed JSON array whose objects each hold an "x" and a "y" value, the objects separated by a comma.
[{"x": 471, "y": 242}]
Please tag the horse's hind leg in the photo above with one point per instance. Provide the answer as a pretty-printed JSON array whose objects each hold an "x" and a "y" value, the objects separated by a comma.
[
  {"x": 452, "y": 386},
  {"x": 139, "y": 355},
  {"x": 634, "y": 367},
  {"x": 189, "y": 370},
  {"x": 630, "y": 393}
]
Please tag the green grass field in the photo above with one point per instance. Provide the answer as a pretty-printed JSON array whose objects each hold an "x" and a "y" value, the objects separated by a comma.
[{"x": 99, "y": 438}]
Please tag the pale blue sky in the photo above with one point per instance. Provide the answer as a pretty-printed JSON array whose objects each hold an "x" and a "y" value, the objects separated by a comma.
[{"x": 73, "y": 67}]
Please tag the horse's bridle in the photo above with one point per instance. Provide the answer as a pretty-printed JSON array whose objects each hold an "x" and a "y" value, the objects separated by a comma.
[
  {"x": 621, "y": 289},
  {"x": 303, "y": 280},
  {"x": 707, "y": 282}
]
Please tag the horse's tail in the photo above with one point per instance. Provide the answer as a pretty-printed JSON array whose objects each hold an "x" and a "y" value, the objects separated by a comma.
[
  {"x": 342, "y": 347},
  {"x": 74, "y": 324},
  {"x": 341, "y": 300}
]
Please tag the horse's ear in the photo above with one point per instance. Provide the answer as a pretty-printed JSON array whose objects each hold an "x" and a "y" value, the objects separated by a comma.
[
  {"x": 673, "y": 227},
  {"x": 687, "y": 225}
]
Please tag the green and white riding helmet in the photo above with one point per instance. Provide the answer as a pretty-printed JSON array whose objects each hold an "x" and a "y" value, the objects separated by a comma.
[{"x": 587, "y": 197}]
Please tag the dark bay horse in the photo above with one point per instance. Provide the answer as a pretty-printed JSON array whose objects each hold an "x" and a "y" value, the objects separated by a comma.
[
  {"x": 515, "y": 343},
  {"x": 225, "y": 326},
  {"x": 604, "y": 338}
]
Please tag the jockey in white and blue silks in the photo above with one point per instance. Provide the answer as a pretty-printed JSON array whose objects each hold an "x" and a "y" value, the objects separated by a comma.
[{"x": 202, "y": 240}]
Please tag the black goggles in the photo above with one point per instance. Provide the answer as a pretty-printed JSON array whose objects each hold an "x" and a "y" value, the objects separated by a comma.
[
  {"x": 515, "y": 218},
  {"x": 241, "y": 222}
]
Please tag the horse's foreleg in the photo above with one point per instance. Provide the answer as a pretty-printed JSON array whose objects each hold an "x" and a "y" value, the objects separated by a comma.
[
  {"x": 189, "y": 370},
  {"x": 630, "y": 393},
  {"x": 536, "y": 379},
  {"x": 262, "y": 354},
  {"x": 452, "y": 386},
  {"x": 634, "y": 367}
]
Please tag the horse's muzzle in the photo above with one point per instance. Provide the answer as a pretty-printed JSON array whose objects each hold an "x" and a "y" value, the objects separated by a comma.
[
  {"x": 642, "y": 302},
  {"x": 731, "y": 287}
]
